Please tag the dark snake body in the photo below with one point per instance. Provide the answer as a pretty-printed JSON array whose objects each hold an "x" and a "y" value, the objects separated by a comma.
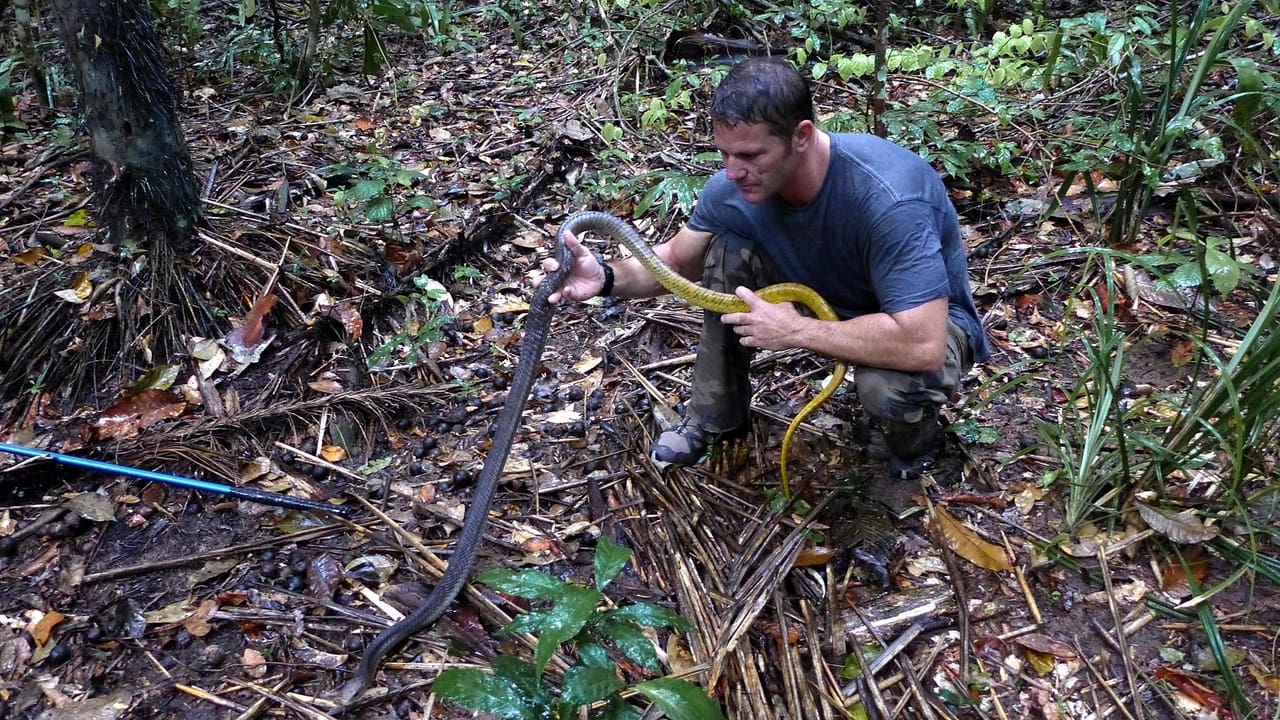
[{"x": 536, "y": 328}]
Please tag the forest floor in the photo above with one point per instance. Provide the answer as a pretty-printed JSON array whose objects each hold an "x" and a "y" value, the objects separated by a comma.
[{"x": 122, "y": 598}]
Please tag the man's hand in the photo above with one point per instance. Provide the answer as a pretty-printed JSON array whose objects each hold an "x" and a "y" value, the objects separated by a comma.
[
  {"x": 585, "y": 280},
  {"x": 771, "y": 326}
]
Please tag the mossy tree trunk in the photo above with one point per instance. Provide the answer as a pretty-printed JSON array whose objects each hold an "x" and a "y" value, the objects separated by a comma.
[{"x": 148, "y": 191}]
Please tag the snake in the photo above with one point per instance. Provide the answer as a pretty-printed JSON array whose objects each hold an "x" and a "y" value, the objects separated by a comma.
[
  {"x": 719, "y": 302},
  {"x": 537, "y": 327}
]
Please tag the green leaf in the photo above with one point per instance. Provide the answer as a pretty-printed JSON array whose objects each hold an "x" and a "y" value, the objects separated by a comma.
[
  {"x": 650, "y": 615},
  {"x": 364, "y": 190},
  {"x": 633, "y": 643},
  {"x": 594, "y": 654},
  {"x": 610, "y": 560},
  {"x": 479, "y": 691},
  {"x": 1223, "y": 270},
  {"x": 584, "y": 684},
  {"x": 379, "y": 209},
  {"x": 529, "y": 584},
  {"x": 520, "y": 673},
  {"x": 680, "y": 699},
  {"x": 374, "y": 51},
  {"x": 563, "y": 621}
]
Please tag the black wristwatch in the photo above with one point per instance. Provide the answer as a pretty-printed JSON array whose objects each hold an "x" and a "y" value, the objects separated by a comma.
[{"x": 607, "y": 288}]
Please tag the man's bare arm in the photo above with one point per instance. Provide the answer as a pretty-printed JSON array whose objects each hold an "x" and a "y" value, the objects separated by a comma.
[
  {"x": 913, "y": 340},
  {"x": 684, "y": 253}
]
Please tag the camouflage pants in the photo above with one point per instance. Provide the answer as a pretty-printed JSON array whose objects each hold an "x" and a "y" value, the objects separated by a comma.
[{"x": 721, "y": 394}]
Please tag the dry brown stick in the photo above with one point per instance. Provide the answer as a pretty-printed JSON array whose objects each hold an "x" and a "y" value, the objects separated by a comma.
[
  {"x": 962, "y": 596},
  {"x": 1097, "y": 675},
  {"x": 207, "y": 696},
  {"x": 171, "y": 563},
  {"x": 1122, "y": 639},
  {"x": 256, "y": 708},
  {"x": 1022, "y": 582},
  {"x": 304, "y": 710}
]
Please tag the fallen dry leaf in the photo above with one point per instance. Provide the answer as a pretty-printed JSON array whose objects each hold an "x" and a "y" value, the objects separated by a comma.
[
  {"x": 1183, "y": 528},
  {"x": 255, "y": 665},
  {"x": 43, "y": 628},
  {"x": 967, "y": 544},
  {"x": 1042, "y": 643},
  {"x": 130, "y": 415}
]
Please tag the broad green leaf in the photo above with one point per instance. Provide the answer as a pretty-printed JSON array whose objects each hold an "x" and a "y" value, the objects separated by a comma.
[
  {"x": 364, "y": 190},
  {"x": 375, "y": 53},
  {"x": 529, "y": 584},
  {"x": 379, "y": 209},
  {"x": 610, "y": 560},
  {"x": 520, "y": 673},
  {"x": 633, "y": 643},
  {"x": 584, "y": 684},
  {"x": 479, "y": 691},
  {"x": 1223, "y": 269},
  {"x": 562, "y": 621},
  {"x": 594, "y": 654},
  {"x": 650, "y": 615},
  {"x": 680, "y": 699}
]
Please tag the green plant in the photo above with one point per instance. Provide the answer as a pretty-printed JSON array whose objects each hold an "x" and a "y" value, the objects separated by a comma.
[
  {"x": 1092, "y": 441},
  {"x": 377, "y": 188},
  {"x": 569, "y": 613},
  {"x": 425, "y": 315}
]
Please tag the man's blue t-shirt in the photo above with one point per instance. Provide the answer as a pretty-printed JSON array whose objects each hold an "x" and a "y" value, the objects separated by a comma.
[{"x": 881, "y": 236}]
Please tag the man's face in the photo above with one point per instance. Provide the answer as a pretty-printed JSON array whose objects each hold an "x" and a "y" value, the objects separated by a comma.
[{"x": 759, "y": 162}]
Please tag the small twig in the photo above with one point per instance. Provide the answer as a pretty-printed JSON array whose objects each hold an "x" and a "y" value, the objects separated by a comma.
[
  {"x": 1097, "y": 675},
  {"x": 289, "y": 702},
  {"x": 171, "y": 563},
  {"x": 1022, "y": 582},
  {"x": 1121, "y": 639},
  {"x": 209, "y": 697}
]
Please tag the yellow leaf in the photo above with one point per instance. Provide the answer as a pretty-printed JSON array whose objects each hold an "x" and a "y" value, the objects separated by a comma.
[
  {"x": 79, "y": 291},
  {"x": 79, "y": 218},
  {"x": 333, "y": 453},
  {"x": 967, "y": 544},
  {"x": 29, "y": 257}
]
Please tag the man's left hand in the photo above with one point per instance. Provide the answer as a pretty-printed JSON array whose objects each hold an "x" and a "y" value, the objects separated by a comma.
[{"x": 771, "y": 326}]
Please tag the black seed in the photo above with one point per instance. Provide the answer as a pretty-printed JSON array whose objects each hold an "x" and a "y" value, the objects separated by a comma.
[
  {"x": 404, "y": 424},
  {"x": 319, "y": 472},
  {"x": 296, "y": 584},
  {"x": 269, "y": 570},
  {"x": 428, "y": 443},
  {"x": 59, "y": 654},
  {"x": 8, "y": 546},
  {"x": 1039, "y": 352},
  {"x": 500, "y": 382},
  {"x": 183, "y": 638},
  {"x": 93, "y": 634}
]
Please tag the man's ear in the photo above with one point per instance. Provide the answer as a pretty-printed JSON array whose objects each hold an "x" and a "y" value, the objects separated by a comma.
[{"x": 802, "y": 138}]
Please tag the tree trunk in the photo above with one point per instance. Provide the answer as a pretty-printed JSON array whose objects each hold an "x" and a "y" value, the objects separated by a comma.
[{"x": 148, "y": 193}]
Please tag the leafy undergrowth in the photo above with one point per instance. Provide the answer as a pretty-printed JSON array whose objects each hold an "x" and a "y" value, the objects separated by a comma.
[{"x": 380, "y": 238}]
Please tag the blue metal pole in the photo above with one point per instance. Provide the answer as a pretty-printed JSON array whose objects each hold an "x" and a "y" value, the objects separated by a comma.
[{"x": 262, "y": 496}]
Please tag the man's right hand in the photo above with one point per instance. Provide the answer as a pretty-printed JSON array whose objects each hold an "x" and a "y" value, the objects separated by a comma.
[{"x": 585, "y": 280}]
